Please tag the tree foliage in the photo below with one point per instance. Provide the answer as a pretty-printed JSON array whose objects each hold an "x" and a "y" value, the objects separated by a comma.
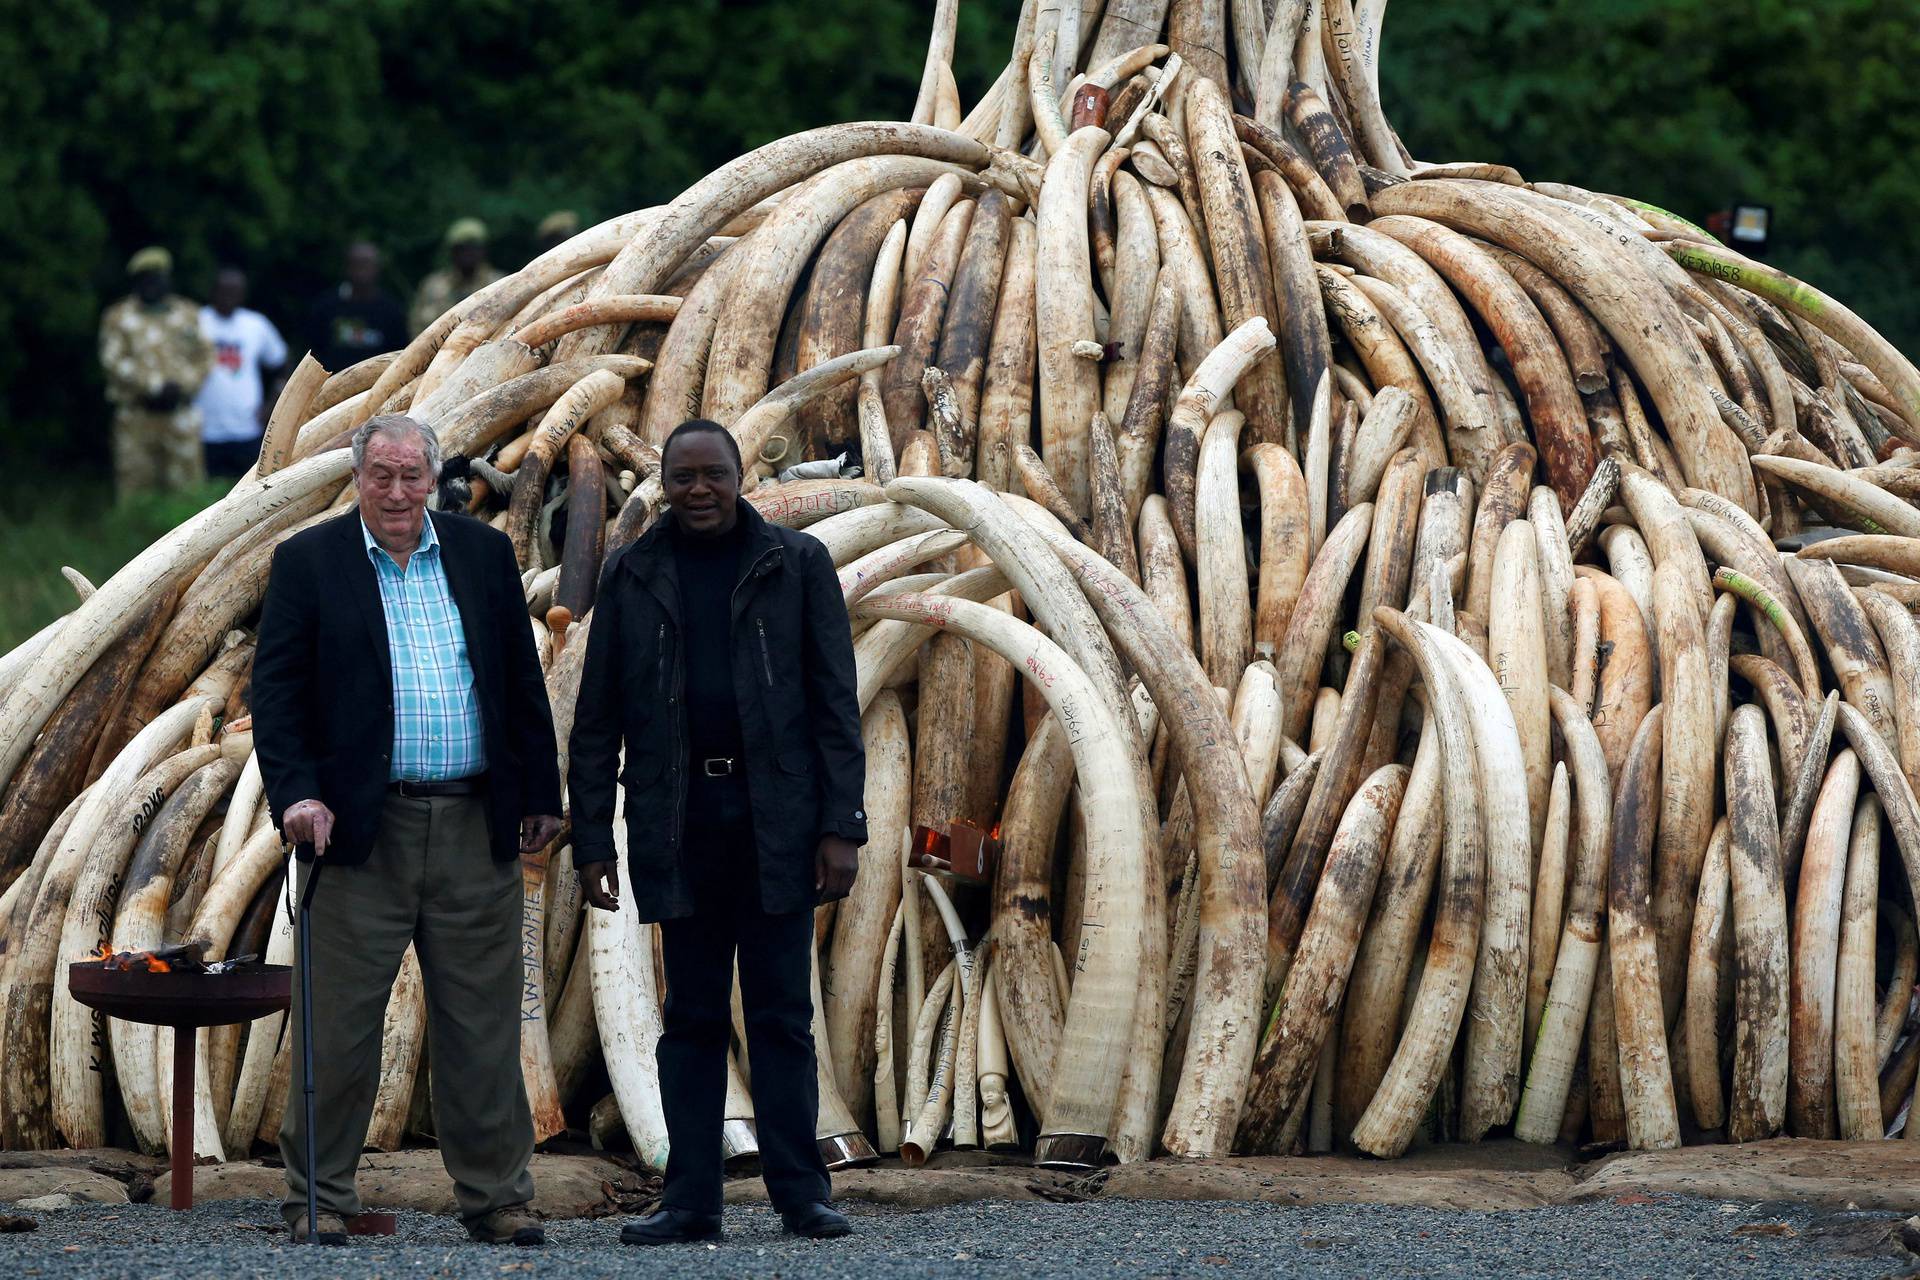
[
  {"x": 1812, "y": 108},
  {"x": 271, "y": 133}
]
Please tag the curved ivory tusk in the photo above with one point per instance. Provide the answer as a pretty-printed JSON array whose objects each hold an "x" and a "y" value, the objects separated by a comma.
[
  {"x": 1700, "y": 1014},
  {"x": 1856, "y": 1061},
  {"x": 1549, "y": 897},
  {"x": 1386, "y": 1128},
  {"x": 1386, "y": 952},
  {"x": 1845, "y": 497},
  {"x": 1646, "y": 1077},
  {"x": 1232, "y": 899},
  {"x": 1094, "y": 1040},
  {"x": 861, "y": 576},
  {"x": 1757, "y": 1108},
  {"x": 1196, "y": 406},
  {"x": 1317, "y": 978},
  {"x": 1854, "y": 652},
  {"x": 627, "y": 1010},
  {"x": 1814, "y": 958},
  {"x": 1564, "y": 1019},
  {"x": 1314, "y": 613},
  {"x": 1239, "y": 255},
  {"x": 1284, "y": 552},
  {"x": 1490, "y": 1087},
  {"x": 1689, "y": 737},
  {"x": 1063, "y": 313},
  {"x": 1220, "y": 555}
]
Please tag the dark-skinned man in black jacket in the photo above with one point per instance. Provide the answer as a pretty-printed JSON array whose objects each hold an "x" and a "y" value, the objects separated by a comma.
[{"x": 719, "y": 654}]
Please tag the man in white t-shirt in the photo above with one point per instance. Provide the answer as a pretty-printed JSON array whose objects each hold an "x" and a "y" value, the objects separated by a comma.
[{"x": 247, "y": 351}]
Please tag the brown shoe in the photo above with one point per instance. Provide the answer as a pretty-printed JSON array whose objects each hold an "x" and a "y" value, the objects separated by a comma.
[
  {"x": 510, "y": 1225},
  {"x": 333, "y": 1229}
]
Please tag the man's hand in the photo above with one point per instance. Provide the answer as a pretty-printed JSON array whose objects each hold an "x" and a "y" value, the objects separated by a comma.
[
  {"x": 537, "y": 831},
  {"x": 835, "y": 864},
  {"x": 601, "y": 881},
  {"x": 308, "y": 822},
  {"x": 166, "y": 399}
]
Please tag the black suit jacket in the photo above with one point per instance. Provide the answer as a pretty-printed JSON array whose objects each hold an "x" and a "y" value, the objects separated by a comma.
[{"x": 323, "y": 681}]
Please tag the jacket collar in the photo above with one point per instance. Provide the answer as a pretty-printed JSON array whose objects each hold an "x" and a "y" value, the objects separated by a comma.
[
  {"x": 656, "y": 542},
  {"x": 650, "y": 559},
  {"x": 364, "y": 586}
]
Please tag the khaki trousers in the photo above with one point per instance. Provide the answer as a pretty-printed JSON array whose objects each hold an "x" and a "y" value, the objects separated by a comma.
[
  {"x": 430, "y": 881},
  {"x": 156, "y": 452}
]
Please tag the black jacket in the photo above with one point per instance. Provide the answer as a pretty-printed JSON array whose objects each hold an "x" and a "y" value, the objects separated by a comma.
[
  {"x": 323, "y": 681},
  {"x": 793, "y": 681}
]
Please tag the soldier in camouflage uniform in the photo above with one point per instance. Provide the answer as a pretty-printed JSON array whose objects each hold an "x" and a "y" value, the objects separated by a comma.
[
  {"x": 470, "y": 271},
  {"x": 155, "y": 359}
]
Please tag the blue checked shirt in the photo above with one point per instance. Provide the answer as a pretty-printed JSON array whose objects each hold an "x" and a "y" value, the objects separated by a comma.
[{"x": 437, "y": 731}]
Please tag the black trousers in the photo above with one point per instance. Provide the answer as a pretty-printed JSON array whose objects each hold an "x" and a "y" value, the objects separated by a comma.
[{"x": 776, "y": 998}]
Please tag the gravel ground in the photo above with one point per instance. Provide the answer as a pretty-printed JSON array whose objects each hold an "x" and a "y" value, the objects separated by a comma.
[{"x": 1665, "y": 1237}]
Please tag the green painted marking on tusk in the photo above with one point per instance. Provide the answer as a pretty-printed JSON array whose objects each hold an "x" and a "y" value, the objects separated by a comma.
[
  {"x": 1783, "y": 288},
  {"x": 1756, "y": 595},
  {"x": 1668, "y": 213}
]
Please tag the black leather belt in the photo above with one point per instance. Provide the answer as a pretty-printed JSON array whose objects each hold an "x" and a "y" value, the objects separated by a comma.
[
  {"x": 719, "y": 766},
  {"x": 452, "y": 787}
]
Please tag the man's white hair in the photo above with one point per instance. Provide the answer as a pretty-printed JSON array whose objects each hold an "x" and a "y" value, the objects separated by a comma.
[{"x": 397, "y": 426}]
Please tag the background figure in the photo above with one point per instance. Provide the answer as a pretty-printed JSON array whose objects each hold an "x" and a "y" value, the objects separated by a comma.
[
  {"x": 356, "y": 319},
  {"x": 155, "y": 359},
  {"x": 468, "y": 270},
  {"x": 248, "y": 352},
  {"x": 556, "y": 228}
]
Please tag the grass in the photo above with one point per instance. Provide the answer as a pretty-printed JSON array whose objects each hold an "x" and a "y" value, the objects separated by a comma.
[{"x": 66, "y": 521}]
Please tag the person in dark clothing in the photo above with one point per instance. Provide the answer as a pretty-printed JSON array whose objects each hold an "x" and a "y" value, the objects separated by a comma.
[
  {"x": 719, "y": 653},
  {"x": 357, "y": 319}
]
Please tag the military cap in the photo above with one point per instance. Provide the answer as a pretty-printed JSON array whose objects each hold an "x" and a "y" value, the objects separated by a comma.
[
  {"x": 151, "y": 258},
  {"x": 559, "y": 223},
  {"x": 467, "y": 231}
]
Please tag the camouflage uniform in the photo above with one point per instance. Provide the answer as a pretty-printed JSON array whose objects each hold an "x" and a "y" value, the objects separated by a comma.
[
  {"x": 444, "y": 288},
  {"x": 143, "y": 348}
]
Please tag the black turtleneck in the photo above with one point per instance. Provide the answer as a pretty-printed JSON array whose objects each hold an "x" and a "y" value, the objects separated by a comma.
[{"x": 708, "y": 569}]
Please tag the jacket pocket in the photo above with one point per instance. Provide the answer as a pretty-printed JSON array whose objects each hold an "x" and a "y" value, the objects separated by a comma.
[
  {"x": 798, "y": 764},
  {"x": 642, "y": 769}
]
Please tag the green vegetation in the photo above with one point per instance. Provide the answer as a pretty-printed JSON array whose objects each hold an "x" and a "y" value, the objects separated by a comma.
[
  {"x": 75, "y": 523},
  {"x": 1812, "y": 108}
]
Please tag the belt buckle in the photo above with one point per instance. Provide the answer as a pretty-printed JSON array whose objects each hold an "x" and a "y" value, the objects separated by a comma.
[{"x": 725, "y": 763}]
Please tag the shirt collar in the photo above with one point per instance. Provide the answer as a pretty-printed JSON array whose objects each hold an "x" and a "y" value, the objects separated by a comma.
[{"x": 429, "y": 540}]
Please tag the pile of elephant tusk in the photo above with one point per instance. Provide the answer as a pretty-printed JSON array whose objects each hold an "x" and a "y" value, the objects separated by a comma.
[{"x": 1463, "y": 628}]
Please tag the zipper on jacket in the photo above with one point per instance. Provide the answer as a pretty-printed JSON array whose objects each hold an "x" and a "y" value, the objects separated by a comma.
[
  {"x": 762, "y": 563},
  {"x": 660, "y": 648},
  {"x": 766, "y": 659}
]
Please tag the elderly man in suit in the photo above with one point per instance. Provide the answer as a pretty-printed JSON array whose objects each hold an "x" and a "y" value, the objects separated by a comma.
[{"x": 406, "y": 744}]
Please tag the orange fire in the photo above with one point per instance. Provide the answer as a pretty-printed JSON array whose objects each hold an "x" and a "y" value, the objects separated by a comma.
[{"x": 124, "y": 960}]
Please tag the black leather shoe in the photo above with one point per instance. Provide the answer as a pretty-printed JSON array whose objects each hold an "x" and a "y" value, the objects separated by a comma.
[
  {"x": 671, "y": 1226},
  {"x": 817, "y": 1221}
]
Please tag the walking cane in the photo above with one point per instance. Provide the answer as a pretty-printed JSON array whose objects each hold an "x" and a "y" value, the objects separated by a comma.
[{"x": 303, "y": 925}]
